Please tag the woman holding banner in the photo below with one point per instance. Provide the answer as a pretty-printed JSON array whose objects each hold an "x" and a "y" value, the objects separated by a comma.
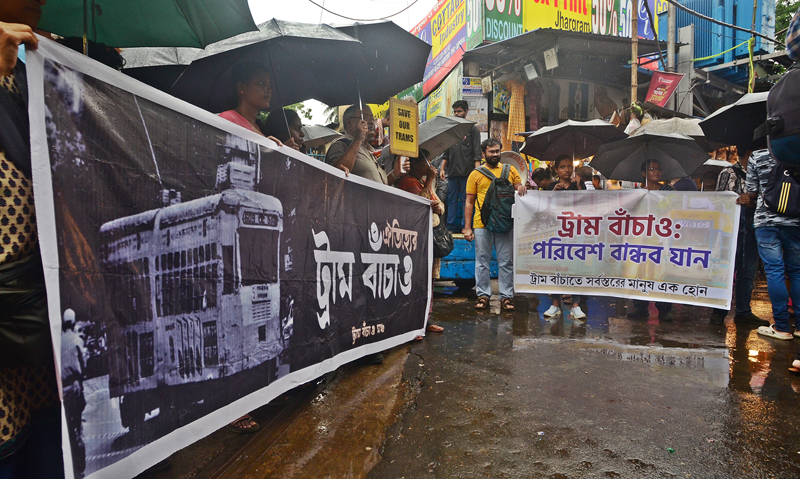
[
  {"x": 252, "y": 88},
  {"x": 414, "y": 184},
  {"x": 564, "y": 169}
]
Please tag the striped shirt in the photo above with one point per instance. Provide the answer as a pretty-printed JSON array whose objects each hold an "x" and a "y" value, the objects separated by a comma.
[{"x": 758, "y": 169}]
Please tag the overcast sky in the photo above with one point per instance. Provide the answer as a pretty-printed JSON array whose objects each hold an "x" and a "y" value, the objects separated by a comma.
[{"x": 307, "y": 12}]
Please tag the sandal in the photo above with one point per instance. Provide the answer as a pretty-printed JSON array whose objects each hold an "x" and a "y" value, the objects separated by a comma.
[
  {"x": 771, "y": 332},
  {"x": 419, "y": 338},
  {"x": 507, "y": 304},
  {"x": 483, "y": 303},
  {"x": 244, "y": 425},
  {"x": 432, "y": 328}
]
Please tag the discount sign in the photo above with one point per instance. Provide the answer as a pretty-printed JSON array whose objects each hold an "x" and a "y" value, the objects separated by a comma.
[{"x": 404, "y": 134}]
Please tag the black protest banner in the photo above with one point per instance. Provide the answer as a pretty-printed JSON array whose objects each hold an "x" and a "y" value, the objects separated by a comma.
[{"x": 205, "y": 272}]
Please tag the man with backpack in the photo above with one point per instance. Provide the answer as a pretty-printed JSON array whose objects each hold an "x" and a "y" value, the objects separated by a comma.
[
  {"x": 778, "y": 238},
  {"x": 492, "y": 187},
  {"x": 732, "y": 179}
]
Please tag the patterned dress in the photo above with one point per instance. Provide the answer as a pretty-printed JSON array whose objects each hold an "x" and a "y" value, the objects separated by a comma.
[{"x": 22, "y": 389}]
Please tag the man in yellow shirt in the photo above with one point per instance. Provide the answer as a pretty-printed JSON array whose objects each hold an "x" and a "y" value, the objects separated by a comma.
[{"x": 477, "y": 185}]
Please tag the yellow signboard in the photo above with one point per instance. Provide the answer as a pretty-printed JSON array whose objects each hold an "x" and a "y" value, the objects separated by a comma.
[
  {"x": 571, "y": 15},
  {"x": 404, "y": 129}
]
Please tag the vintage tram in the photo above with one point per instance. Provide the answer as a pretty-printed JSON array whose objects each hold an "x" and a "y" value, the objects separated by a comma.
[{"x": 196, "y": 297}]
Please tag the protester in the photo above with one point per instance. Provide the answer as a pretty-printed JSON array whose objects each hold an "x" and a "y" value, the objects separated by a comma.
[
  {"x": 542, "y": 178},
  {"x": 252, "y": 89},
  {"x": 380, "y": 139},
  {"x": 732, "y": 179},
  {"x": 778, "y": 239},
  {"x": 287, "y": 127},
  {"x": 477, "y": 186},
  {"x": 457, "y": 164},
  {"x": 413, "y": 183},
  {"x": 28, "y": 388},
  {"x": 597, "y": 182},
  {"x": 585, "y": 174},
  {"x": 353, "y": 152},
  {"x": 73, "y": 366},
  {"x": 709, "y": 181},
  {"x": 651, "y": 171},
  {"x": 564, "y": 169},
  {"x": 686, "y": 184}
]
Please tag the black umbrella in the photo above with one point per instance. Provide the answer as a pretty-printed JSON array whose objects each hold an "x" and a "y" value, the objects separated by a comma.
[
  {"x": 158, "y": 67},
  {"x": 306, "y": 61},
  {"x": 578, "y": 139},
  {"x": 677, "y": 154},
  {"x": 734, "y": 124},
  {"x": 441, "y": 132},
  {"x": 394, "y": 60}
]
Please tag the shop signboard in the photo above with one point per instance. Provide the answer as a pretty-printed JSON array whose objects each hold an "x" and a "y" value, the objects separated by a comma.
[
  {"x": 502, "y": 19},
  {"x": 445, "y": 28}
]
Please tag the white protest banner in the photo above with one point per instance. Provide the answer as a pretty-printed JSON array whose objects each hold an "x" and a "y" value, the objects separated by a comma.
[
  {"x": 652, "y": 245},
  {"x": 207, "y": 269}
]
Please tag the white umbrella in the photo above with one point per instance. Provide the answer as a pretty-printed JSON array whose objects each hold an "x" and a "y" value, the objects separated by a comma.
[{"x": 318, "y": 135}]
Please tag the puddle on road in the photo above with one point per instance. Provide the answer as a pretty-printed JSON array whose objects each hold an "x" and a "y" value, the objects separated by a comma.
[{"x": 731, "y": 356}]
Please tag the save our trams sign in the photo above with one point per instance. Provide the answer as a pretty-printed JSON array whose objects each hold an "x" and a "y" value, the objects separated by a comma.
[{"x": 404, "y": 130}]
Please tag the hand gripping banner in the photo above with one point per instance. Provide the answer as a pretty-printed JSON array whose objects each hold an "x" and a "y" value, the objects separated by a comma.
[
  {"x": 670, "y": 246},
  {"x": 206, "y": 270}
]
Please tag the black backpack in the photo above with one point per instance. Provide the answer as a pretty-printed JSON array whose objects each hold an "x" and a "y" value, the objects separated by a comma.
[
  {"x": 783, "y": 118},
  {"x": 782, "y": 192},
  {"x": 496, "y": 207}
]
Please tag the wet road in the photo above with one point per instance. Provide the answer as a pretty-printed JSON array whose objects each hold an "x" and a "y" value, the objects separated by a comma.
[{"x": 514, "y": 395}]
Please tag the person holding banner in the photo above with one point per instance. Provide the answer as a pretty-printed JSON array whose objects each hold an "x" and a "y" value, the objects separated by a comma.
[
  {"x": 252, "y": 88},
  {"x": 564, "y": 169},
  {"x": 28, "y": 388},
  {"x": 286, "y": 126},
  {"x": 651, "y": 171},
  {"x": 413, "y": 183}
]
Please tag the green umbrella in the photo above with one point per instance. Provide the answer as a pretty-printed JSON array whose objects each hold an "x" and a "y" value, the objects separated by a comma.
[{"x": 148, "y": 23}]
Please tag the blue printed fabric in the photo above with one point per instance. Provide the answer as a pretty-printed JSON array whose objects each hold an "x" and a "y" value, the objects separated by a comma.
[{"x": 793, "y": 37}]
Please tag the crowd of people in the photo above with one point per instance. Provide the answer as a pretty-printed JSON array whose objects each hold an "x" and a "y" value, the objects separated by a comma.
[{"x": 29, "y": 407}]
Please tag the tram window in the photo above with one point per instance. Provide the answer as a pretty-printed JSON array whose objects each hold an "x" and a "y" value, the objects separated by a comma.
[
  {"x": 188, "y": 254},
  {"x": 183, "y": 259},
  {"x": 259, "y": 255},
  {"x": 171, "y": 349},
  {"x": 208, "y": 252},
  {"x": 262, "y": 333},
  {"x": 202, "y": 255},
  {"x": 146, "y": 354},
  {"x": 194, "y": 253},
  {"x": 169, "y": 261},
  {"x": 227, "y": 267},
  {"x": 157, "y": 268},
  {"x": 214, "y": 254}
]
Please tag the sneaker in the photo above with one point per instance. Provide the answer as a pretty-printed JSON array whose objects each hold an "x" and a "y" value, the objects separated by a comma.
[
  {"x": 796, "y": 333},
  {"x": 577, "y": 312},
  {"x": 772, "y": 333},
  {"x": 552, "y": 311},
  {"x": 750, "y": 318}
]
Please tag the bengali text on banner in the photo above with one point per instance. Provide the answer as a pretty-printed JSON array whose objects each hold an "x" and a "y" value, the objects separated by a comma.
[{"x": 674, "y": 247}]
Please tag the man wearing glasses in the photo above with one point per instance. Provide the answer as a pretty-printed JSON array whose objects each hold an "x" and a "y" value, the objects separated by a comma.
[{"x": 353, "y": 152}]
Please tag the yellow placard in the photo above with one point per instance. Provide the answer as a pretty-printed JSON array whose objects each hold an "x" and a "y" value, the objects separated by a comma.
[{"x": 404, "y": 129}]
